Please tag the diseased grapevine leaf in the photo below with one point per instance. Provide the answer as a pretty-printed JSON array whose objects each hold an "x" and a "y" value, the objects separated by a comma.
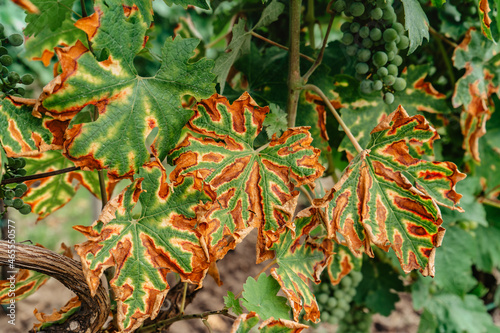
[
  {"x": 46, "y": 195},
  {"x": 485, "y": 16},
  {"x": 52, "y": 14},
  {"x": 144, "y": 247},
  {"x": 233, "y": 303},
  {"x": 184, "y": 3},
  {"x": 130, "y": 106},
  {"x": 240, "y": 42},
  {"x": 388, "y": 196},
  {"x": 57, "y": 316},
  {"x": 272, "y": 325},
  {"x": 343, "y": 262},
  {"x": 41, "y": 47},
  {"x": 255, "y": 188},
  {"x": 27, "y": 283},
  {"x": 24, "y": 135},
  {"x": 245, "y": 322},
  {"x": 416, "y": 23},
  {"x": 473, "y": 90},
  {"x": 299, "y": 263},
  {"x": 360, "y": 111},
  {"x": 260, "y": 296}
]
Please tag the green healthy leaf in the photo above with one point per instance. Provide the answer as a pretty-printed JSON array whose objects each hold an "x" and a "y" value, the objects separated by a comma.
[
  {"x": 41, "y": 47},
  {"x": 160, "y": 239},
  {"x": 240, "y": 42},
  {"x": 360, "y": 111},
  {"x": 388, "y": 196},
  {"x": 260, "y": 296},
  {"x": 233, "y": 303},
  {"x": 453, "y": 264},
  {"x": 27, "y": 283},
  {"x": 488, "y": 247},
  {"x": 299, "y": 263},
  {"x": 255, "y": 188},
  {"x": 416, "y": 23},
  {"x": 46, "y": 195},
  {"x": 22, "y": 134},
  {"x": 52, "y": 15},
  {"x": 428, "y": 323},
  {"x": 276, "y": 122},
  {"x": 130, "y": 106},
  {"x": 184, "y": 3}
]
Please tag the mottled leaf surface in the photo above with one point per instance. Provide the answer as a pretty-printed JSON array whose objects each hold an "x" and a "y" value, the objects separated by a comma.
[
  {"x": 245, "y": 322},
  {"x": 130, "y": 106},
  {"x": 300, "y": 262},
  {"x": 388, "y": 195},
  {"x": 145, "y": 246},
  {"x": 342, "y": 263},
  {"x": 27, "y": 283},
  {"x": 255, "y": 188}
]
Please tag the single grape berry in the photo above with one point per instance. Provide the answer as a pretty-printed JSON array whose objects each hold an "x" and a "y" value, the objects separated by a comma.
[
  {"x": 25, "y": 209},
  {"x": 13, "y": 77},
  {"x": 375, "y": 34},
  {"x": 364, "y": 32},
  {"x": 367, "y": 43},
  {"x": 6, "y": 60},
  {"x": 382, "y": 72},
  {"x": 17, "y": 163},
  {"x": 398, "y": 27},
  {"x": 8, "y": 202},
  {"x": 364, "y": 55},
  {"x": 391, "y": 47},
  {"x": 21, "y": 172},
  {"x": 20, "y": 91},
  {"x": 357, "y": 9},
  {"x": 399, "y": 84},
  {"x": 345, "y": 26},
  {"x": 16, "y": 39},
  {"x": 348, "y": 38},
  {"x": 404, "y": 42},
  {"x": 362, "y": 68},
  {"x": 389, "y": 14},
  {"x": 354, "y": 27},
  {"x": 18, "y": 192},
  {"x": 398, "y": 60},
  {"x": 3, "y": 51},
  {"x": 388, "y": 98},
  {"x": 389, "y": 80},
  {"x": 27, "y": 79},
  {"x": 379, "y": 59},
  {"x": 352, "y": 50},
  {"x": 366, "y": 87},
  {"x": 9, "y": 194},
  {"x": 390, "y": 35},
  {"x": 393, "y": 69},
  {"x": 391, "y": 55},
  {"x": 18, "y": 203},
  {"x": 377, "y": 85},
  {"x": 11, "y": 162},
  {"x": 382, "y": 3},
  {"x": 339, "y": 5},
  {"x": 376, "y": 13},
  {"x": 23, "y": 187}
]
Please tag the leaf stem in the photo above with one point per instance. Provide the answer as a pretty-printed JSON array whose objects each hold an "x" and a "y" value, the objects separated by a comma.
[
  {"x": 336, "y": 115},
  {"x": 310, "y": 20},
  {"x": 446, "y": 59},
  {"x": 319, "y": 59},
  {"x": 443, "y": 38},
  {"x": 294, "y": 79},
  {"x": 307, "y": 194},
  {"x": 490, "y": 202},
  {"x": 183, "y": 303},
  {"x": 38, "y": 175},
  {"x": 102, "y": 187},
  {"x": 253, "y": 33}
]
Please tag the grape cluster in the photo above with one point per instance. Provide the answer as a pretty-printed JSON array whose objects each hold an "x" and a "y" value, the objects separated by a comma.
[
  {"x": 373, "y": 39},
  {"x": 12, "y": 193},
  {"x": 10, "y": 79},
  {"x": 356, "y": 321},
  {"x": 333, "y": 300}
]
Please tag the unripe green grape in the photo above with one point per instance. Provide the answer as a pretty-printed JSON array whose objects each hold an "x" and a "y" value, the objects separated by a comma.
[
  {"x": 377, "y": 85},
  {"x": 11, "y": 162},
  {"x": 393, "y": 69},
  {"x": 379, "y": 59},
  {"x": 364, "y": 55},
  {"x": 364, "y": 32},
  {"x": 16, "y": 39},
  {"x": 9, "y": 194},
  {"x": 388, "y": 98},
  {"x": 323, "y": 298},
  {"x": 339, "y": 5},
  {"x": 390, "y": 35},
  {"x": 352, "y": 50},
  {"x": 338, "y": 313},
  {"x": 389, "y": 14},
  {"x": 18, "y": 203},
  {"x": 23, "y": 162},
  {"x": 6, "y": 60},
  {"x": 17, "y": 163},
  {"x": 354, "y": 27},
  {"x": 399, "y": 84},
  {"x": 13, "y": 77},
  {"x": 8, "y": 202},
  {"x": 398, "y": 60},
  {"x": 404, "y": 42},
  {"x": 357, "y": 9},
  {"x": 340, "y": 294},
  {"x": 5, "y": 71},
  {"x": 22, "y": 187},
  {"x": 391, "y": 55},
  {"x": 382, "y": 72},
  {"x": 345, "y": 26},
  {"x": 325, "y": 315},
  {"x": 362, "y": 68},
  {"x": 20, "y": 91},
  {"x": 25, "y": 209},
  {"x": 342, "y": 304},
  {"x": 18, "y": 192},
  {"x": 391, "y": 47},
  {"x": 346, "y": 282},
  {"x": 332, "y": 302},
  {"x": 398, "y": 27},
  {"x": 348, "y": 38},
  {"x": 376, "y": 13},
  {"x": 382, "y": 3},
  {"x": 366, "y": 87},
  {"x": 324, "y": 287},
  {"x": 27, "y": 79},
  {"x": 367, "y": 43},
  {"x": 389, "y": 80},
  {"x": 3, "y": 51},
  {"x": 375, "y": 34}
]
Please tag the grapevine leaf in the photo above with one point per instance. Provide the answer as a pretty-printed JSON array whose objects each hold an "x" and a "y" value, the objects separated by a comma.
[
  {"x": 184, "y": 3},
  {"x": 255, "y": 188},
  {"x": 416, "y": 23},
  {"x": 24, "y": 135},
  {"x": 245, "y": 322},
  {"x": 231, "y": 302},
  {"x": 260, "y": 296},
  {"x": 275, "y": 122},
  {"x": 473, "y": 90},
  {"x": 27, "y": 283},
  {"x": 46, "y": 195},
  {"x": 52, "y": 14},
  {"x": 57, "y": 316},
  {"x": 272, "y": 325},
  {"x": 41, "y": 47},
  {"x": 359, "y": 111},
  {"x": 484, "y": 16},
  {"x": 438, "y": 3},
  {"x": 343, "y": 262},
  {"x": 453, "y": 265},
  {"x": 300, "y": 262},
  {"x": 240, "y": 42},
  {"x": 488, "y": 247},
  {"x": 130, "y": 106},
  {"x": 144, "y": 248},
  {"x": 388, "y": 196}
]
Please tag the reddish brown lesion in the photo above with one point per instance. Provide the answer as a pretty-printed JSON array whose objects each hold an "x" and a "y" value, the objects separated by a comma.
[
  {"x": 484, "y": 7},
  {"x": 428, "y": 88},
  {"x": 90, "y": 24}
]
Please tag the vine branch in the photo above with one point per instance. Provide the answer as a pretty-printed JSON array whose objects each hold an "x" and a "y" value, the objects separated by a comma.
[
  {"x": 253, "y": 33},
  {"x": 38, "y": 175},
  {"x": 294, "y": 79}
]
